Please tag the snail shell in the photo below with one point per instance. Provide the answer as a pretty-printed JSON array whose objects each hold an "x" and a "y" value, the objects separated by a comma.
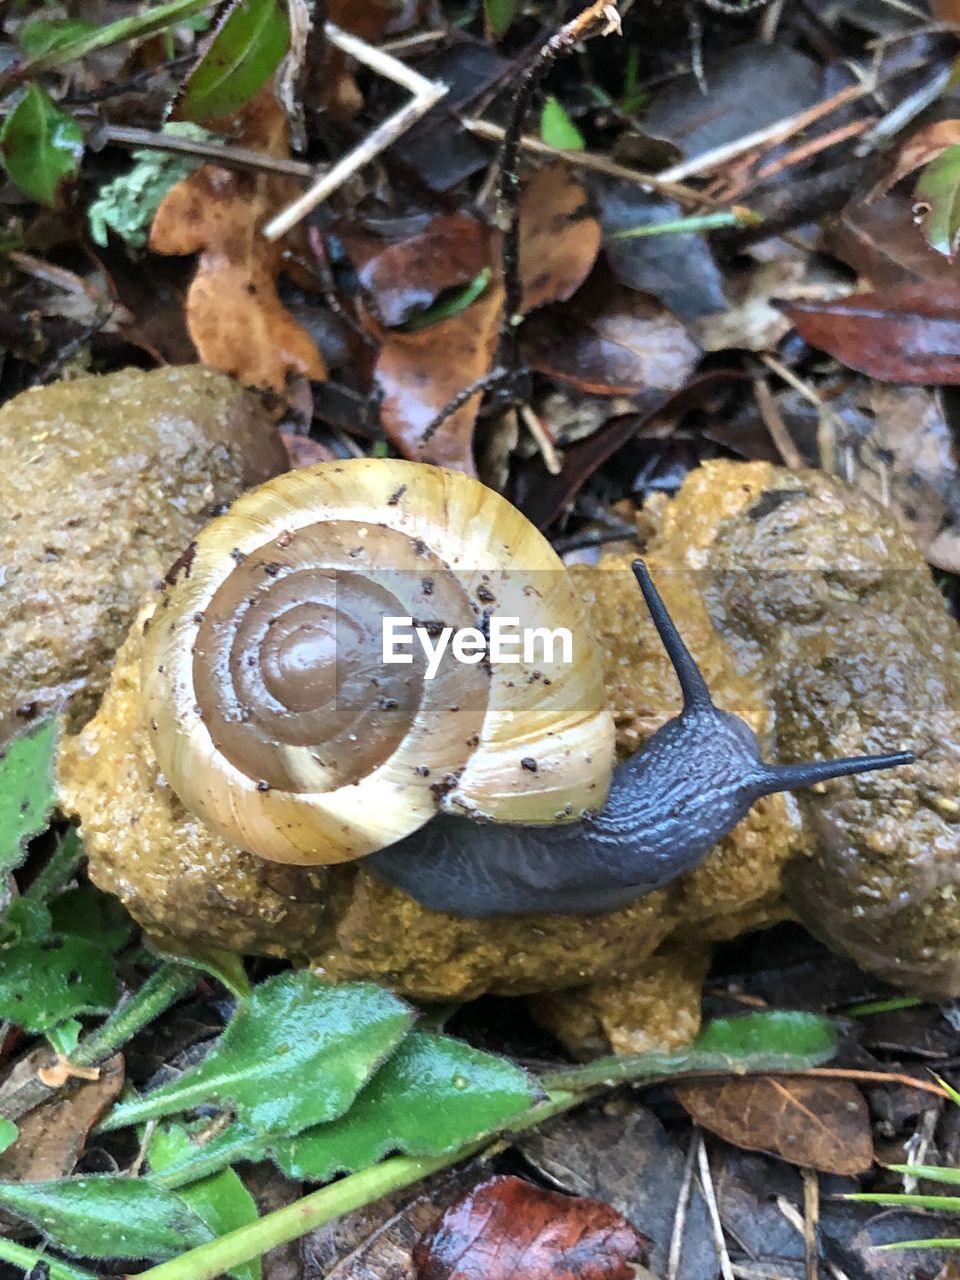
[{"x": 273, "y": 715}]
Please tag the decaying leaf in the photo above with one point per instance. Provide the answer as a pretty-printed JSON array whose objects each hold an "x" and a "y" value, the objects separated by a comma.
[
  {"x": 235, "y": 317},
  {"x": 507, "y": 1227},
  {"x": 821, "y": 1124},
  {"x": 420, "y": 373},
  {"x": 613, "y": 341},
  {"x": 52, "y": 1136},
  {"x": 905, "y": 334}
]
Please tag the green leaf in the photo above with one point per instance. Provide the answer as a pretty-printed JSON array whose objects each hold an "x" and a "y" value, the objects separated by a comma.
[
  {"x": 557, "y": 129},
  {"x": 944, "y": 1204},
  {"x": 949, "y": 1242},
  {"x": 46, "y": 982},
  {"x": 127, "y": 205},
  {"x": 8, "y": 1133},
  {"x": 930, "y": 1172},
  {"x": 105, "y": 1216},
  {"x": 65, "y": 1036},
  {"x": 431, "y": 1097},
  {"x": 295, "y": 1054},
  {"x": 777, "y": 1035},
  {"x": 450, "y": 303},
  {"x": 41, "y": 146},
  {"x": 499, "y": 15},
  {"x": 225, "y": 966},
  {"x": 25, "y": 920},
  {"x": 221, "y": 1201},
  {"x": 40, "y": 36},
  {"x": 26, "y": 789},
  {"x": 88, "y": 912},
  {"x": 244, "y": 51},
  {"x": 938, "y": 192}
]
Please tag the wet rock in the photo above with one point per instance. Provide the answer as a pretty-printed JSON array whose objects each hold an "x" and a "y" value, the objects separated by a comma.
[{"x": 103, "y": 482}]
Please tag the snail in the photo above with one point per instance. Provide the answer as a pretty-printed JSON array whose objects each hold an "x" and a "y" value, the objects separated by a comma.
[{"x": 478, "y": 787}]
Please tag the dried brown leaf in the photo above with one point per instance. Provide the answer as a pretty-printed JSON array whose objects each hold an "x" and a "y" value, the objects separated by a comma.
[
  {"x": 820, "y": 1124},
  {"x": 234, "y": 315},
  {"x": 612, "y": 341},
  {"x": 507, "y": 1227},
  {"x": 559, "y": 237}
]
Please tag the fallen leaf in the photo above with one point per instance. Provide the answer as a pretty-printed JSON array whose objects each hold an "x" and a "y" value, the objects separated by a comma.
[
  {"x": 880, "y": 240},
  {"x": 52, "y": 1136},
  {"x": 820, "y": 1124},
  {"x": 420, "y": 373},
  {"x": 612, "y": 341},
  {"x": 905, "y": 334},
  {"x": 234, "y": 315},
  {"x": 559, "y": 237},
  {"x": 922, "y": 147},
  {"x": 406, "y": 276},
  {"x": 506, "y": 1227},
  {"x": 621, "y": 1154}
]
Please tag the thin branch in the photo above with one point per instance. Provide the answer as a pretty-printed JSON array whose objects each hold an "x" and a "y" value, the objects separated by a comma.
[
  {"x": 598, "y": 164},
  {"x": 493, "y": 377},
  {"x": 224, "y": 154},
  {"x": 599, "y": 18},
  {"x": 426, "y": 94}
]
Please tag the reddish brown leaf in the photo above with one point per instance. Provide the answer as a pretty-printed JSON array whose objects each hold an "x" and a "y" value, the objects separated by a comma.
[
  {"x": 234, "y": 315},
  {"x": 420, "y": 373},
  {"x": 906, "y": 334},
  {"x": 821, "y": 1124},
  {"x": 506, "y": 1228},
  {"x": 881, "y": 241},
  {"x": 559, "y": 237},
  {"x": 611, "y": 341}
]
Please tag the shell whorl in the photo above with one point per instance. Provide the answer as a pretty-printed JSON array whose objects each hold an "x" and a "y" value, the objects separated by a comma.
[{"x": 271, "y": 711}]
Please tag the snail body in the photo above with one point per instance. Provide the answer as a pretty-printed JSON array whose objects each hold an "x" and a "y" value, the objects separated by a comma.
[{"x": 488, "y": 790}]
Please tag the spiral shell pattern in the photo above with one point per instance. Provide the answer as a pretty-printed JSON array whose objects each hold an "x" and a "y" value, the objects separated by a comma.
[{"x": 272, "y": 713}]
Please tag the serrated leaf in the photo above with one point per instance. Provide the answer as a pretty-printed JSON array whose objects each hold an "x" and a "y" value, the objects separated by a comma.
[
  {"x": 938, "y": 194},
  {"x": 244, "y": 51},
  {"x": 221, "y": 1200},
  {"x": 26, "y": 788},
  {"x": 88, "y": 912},
  {"x": 105, "y": 1216},
  {"x": 557, "y": 129},
  {"x": 295, "y": 1054},
  {"x": 43, "y": 983},
  {"x": 41, "y": 146},
  {"x": 431, "y": 1097},
  {"x": 499, "y": 15},
  {"x": 8, "y": 1133},
  {"x": 40, "y": 36}
]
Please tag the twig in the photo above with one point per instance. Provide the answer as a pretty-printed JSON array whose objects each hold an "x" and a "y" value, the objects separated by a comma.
[
  {"x": 598, "y": 164},
  {"x": 807, "y": 150},
  {"x": 599, "y": 18},
  {"x": 683, "y": 1204},
  {"x": 551, "y": 459},
  {"x": 220, "y": 153},
  {"x": 768, "y": 136},
  {"x": 426, "y": 94},
  {"x": 710, "y": 1195},
  {"x": 772, "y": 420},
  {"x": 487, "y": 380},
  {"x": 811, "y": 1222}
]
